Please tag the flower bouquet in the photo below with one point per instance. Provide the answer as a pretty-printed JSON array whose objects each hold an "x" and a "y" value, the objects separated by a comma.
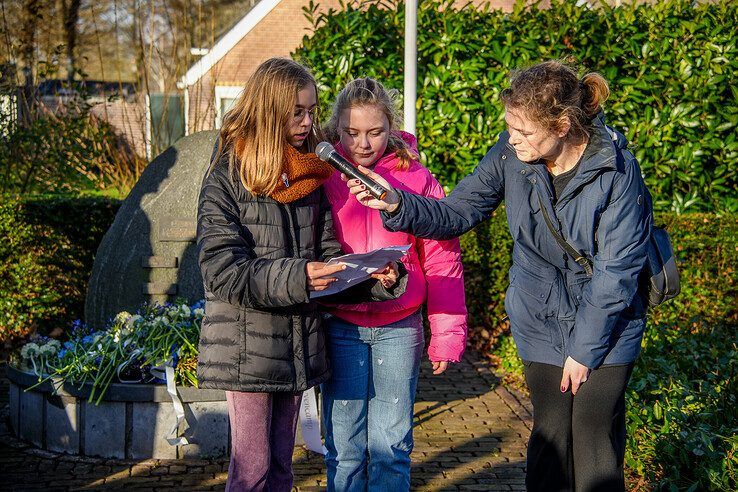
[{"x": 133, "y": 348}]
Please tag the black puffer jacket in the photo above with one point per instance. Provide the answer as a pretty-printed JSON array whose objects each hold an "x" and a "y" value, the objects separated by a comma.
[{"x": 261, "y": 331}]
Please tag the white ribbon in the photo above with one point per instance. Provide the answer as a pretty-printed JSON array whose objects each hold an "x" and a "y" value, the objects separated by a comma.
[
  {"x": 168, "y": 375},
  {"x": 134, "y": 355},
  {"x": 310, "y": 422}
]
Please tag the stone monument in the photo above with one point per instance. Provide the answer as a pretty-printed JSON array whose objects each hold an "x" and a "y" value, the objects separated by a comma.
[{"x": 149, "y": 253}]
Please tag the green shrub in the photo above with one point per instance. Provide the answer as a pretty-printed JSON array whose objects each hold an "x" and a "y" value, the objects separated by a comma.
[
  {"x": 670, "y": 65},
  {"x": 683, "y": 408},
  {"x": 46, "y": 259},
  {"x": 65, "y": 153}
]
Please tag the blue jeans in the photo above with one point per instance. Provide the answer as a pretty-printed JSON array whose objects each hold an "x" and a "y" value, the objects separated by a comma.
[{"x": 368, "y": 404}]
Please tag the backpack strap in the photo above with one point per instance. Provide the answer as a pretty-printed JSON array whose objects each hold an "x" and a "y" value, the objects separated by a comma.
[{"x": 582, "y": 260}]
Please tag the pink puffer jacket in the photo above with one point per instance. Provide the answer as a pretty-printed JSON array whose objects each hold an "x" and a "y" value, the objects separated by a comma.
[{"x": 434, "y": 267}]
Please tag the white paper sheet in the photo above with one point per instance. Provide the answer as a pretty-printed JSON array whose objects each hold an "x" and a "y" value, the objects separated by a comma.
[
  {"x": 310, "y": 422},
  {"x": 359, "y": 266}
]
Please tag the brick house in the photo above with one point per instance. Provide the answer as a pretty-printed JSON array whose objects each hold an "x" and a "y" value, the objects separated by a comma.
[{"x": 272, "y": 28}]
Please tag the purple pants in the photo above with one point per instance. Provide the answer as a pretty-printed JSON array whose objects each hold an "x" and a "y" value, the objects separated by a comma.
[{"x": 262, "y": 440}]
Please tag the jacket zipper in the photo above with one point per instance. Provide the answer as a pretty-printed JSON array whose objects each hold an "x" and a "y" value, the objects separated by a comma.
[
  {"x": 368, "y": 227},
  {"x": 295, "y": 254}
]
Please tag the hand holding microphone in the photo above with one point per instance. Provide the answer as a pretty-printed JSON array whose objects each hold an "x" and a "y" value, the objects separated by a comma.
[{"x": 369, "y": 188}]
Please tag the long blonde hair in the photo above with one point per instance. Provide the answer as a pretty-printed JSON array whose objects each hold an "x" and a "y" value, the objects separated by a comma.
[
  {"x": 368, "y": 92},
  {"x": 550, "y": 93},
  {"x": 254, "y": 130}
]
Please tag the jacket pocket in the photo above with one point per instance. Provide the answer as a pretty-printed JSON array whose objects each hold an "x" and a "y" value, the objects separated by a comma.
[
  {"x": 266, "y": 348},
  {"x": 536, "y": 287},
  {"x": 527, "y": 306}
]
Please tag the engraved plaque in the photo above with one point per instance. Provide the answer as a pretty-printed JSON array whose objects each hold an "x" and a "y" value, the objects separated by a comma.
[
  {"x": 180, "y": 230},
  {"x": 161, "y": 288},
  {"x": 159, "y": 261}
]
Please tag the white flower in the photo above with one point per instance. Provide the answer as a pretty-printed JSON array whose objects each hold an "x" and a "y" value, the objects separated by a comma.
[
  {"x": 122, "y": 316},
  {"x": 172, "y": 311},
  {"x": 199, "y": 312},
  {"x": 185, "y": 309},
  {"x": 132, "y": 321},
  {"x": 47, "y": 349},
  {"x": 29, "y": 350}
]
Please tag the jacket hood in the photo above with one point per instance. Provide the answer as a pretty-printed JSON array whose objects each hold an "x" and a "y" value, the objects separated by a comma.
[
  {"x": 409, "y": 139},
  {"x": 599, "y": 122},
  {"x": 604, "y": 146}
]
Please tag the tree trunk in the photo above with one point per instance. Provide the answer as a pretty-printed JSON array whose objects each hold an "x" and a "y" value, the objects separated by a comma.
[
  {"x": 71, "y": 16},
  {"x": 30, "y": 16}
]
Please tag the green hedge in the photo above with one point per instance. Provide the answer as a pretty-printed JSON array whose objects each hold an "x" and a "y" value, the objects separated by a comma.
[
  {"x": 670, "y": 66},
  {"x": 46, "y": 259},
  {"x": 683, "y": 396}
]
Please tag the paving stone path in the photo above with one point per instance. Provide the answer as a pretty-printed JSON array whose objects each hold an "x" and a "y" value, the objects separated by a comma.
[{"x": 470, "y": 434}]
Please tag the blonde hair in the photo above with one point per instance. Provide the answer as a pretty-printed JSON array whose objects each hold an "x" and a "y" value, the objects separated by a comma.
[
  {"x": 258, "y": 122},
  {"x": 549, "y": 93},
  {"x": 368, "y": 92}
]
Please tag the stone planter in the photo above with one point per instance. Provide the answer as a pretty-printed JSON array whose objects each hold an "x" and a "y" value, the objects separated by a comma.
[{"x": 132, "y": 422}]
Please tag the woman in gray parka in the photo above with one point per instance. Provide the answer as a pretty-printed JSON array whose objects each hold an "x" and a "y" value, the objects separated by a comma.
[{"x": 578, "y": 330}]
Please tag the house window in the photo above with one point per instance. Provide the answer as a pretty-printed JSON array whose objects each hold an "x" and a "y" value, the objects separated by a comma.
[{"x": 225, "y": 96}]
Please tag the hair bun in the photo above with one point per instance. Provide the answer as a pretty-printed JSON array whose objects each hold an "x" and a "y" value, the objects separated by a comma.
[{"x": 595, "y": 92}]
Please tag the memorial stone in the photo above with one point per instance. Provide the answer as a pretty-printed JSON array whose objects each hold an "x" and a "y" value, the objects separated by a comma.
[{"x": 149, "y": 253}]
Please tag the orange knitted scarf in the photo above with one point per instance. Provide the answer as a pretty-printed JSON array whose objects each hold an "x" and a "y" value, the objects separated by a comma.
[{"x": 301, "y": 173}]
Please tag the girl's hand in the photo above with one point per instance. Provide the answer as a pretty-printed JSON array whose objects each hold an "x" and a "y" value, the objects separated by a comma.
[
  {"x": 439, "y": 367},
  {"x": 388, "y": 276},
  {"x": 391, "y": 200},
  {"x": 319, "y": 274},
  {"x": 574, "y": 373}
]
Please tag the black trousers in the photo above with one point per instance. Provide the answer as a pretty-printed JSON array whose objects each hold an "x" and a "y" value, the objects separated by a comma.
[{"x": 577, "y": 442}]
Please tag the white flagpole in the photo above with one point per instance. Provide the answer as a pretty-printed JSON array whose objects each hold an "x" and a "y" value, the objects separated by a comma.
[{"x": 411, "y": 62}]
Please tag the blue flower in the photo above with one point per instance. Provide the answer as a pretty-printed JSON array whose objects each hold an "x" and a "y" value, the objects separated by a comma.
[
  {"x": 87, "y": 339},
  {"x": 78, "y": 328},
  {"x": 68, "y": 346},
  {"x": 62, "y": 352},
  {"x": 174, "y": 354}
]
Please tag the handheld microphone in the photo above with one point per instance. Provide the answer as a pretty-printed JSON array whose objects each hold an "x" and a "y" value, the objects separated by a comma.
[{"x": 327, "y": 153}]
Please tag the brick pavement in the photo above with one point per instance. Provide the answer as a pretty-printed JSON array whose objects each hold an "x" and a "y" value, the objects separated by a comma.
[{"x": 470, "y": 434}]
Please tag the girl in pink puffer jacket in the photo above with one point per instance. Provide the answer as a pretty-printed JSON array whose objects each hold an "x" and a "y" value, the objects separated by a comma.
[{"x": 375, "y": 348}]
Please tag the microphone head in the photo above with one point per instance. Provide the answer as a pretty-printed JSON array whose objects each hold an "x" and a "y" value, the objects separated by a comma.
[{"x": 323, "y": 150}]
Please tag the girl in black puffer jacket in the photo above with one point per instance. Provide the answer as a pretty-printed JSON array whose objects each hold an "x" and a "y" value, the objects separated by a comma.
[{"x": 264, "y": 231}]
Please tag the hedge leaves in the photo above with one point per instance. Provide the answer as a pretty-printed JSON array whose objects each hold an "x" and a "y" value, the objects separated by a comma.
[{"x": 671, "y": 67}]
